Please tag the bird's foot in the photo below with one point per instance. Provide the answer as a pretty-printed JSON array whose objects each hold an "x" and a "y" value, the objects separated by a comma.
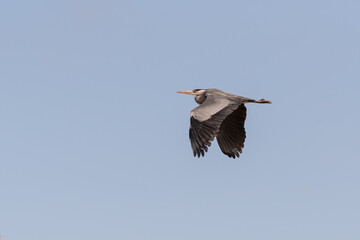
[{"x": 263, "y": 101}]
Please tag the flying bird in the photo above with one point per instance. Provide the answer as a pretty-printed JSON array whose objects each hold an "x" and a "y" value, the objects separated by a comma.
[{"x": 221, "y": 115}]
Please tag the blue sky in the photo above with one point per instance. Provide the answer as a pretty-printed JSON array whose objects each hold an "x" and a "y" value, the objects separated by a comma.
[{"x": 94, "y": 139}]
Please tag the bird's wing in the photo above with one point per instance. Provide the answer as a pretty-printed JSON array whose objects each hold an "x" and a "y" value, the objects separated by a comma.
[
  {"x": 206, "y": 119},
  {"x": 231, "y": 135}
]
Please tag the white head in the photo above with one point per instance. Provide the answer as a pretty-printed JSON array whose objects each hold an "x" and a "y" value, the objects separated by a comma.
[{"x": 200, "y": 95}]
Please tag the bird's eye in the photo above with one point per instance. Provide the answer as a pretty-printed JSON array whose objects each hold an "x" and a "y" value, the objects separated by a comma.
[{"x": 196, "y": 90}]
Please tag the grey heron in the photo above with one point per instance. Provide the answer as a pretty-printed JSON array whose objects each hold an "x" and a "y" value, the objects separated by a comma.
[{"x": 221, "y": 115}]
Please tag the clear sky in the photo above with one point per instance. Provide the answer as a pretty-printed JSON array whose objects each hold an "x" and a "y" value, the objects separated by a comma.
[{"x": 94, "y": 138}]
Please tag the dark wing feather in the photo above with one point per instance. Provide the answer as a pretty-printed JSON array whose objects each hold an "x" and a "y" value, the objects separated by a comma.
[
  {"x": 206, "y": 120},
  {"x": 231, "y": 135},
  {"x": 201, "y": 134}
]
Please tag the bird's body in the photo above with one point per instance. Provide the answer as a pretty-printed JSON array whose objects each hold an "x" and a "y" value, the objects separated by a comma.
[{"x": 221, "y": 115}]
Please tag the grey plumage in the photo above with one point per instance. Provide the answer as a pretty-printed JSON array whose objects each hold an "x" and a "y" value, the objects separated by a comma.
[{"x": 221, "y": 115}]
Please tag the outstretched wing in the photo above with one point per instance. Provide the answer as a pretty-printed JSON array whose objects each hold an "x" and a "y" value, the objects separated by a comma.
[
  {"x": 206, "y": 120},
  {"x": 231, "y": 135}
]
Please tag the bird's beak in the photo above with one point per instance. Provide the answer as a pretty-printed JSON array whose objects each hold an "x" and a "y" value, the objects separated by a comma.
[{"x": 186, "y": 92}]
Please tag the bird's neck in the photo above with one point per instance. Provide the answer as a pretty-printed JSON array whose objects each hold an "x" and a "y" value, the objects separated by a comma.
[{"x": 200, "y": 98}]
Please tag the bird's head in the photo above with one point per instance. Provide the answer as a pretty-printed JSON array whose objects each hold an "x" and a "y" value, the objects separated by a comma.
[
  {"x": 200, "y": 95},
  {"x": 193, "y": 92}
]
